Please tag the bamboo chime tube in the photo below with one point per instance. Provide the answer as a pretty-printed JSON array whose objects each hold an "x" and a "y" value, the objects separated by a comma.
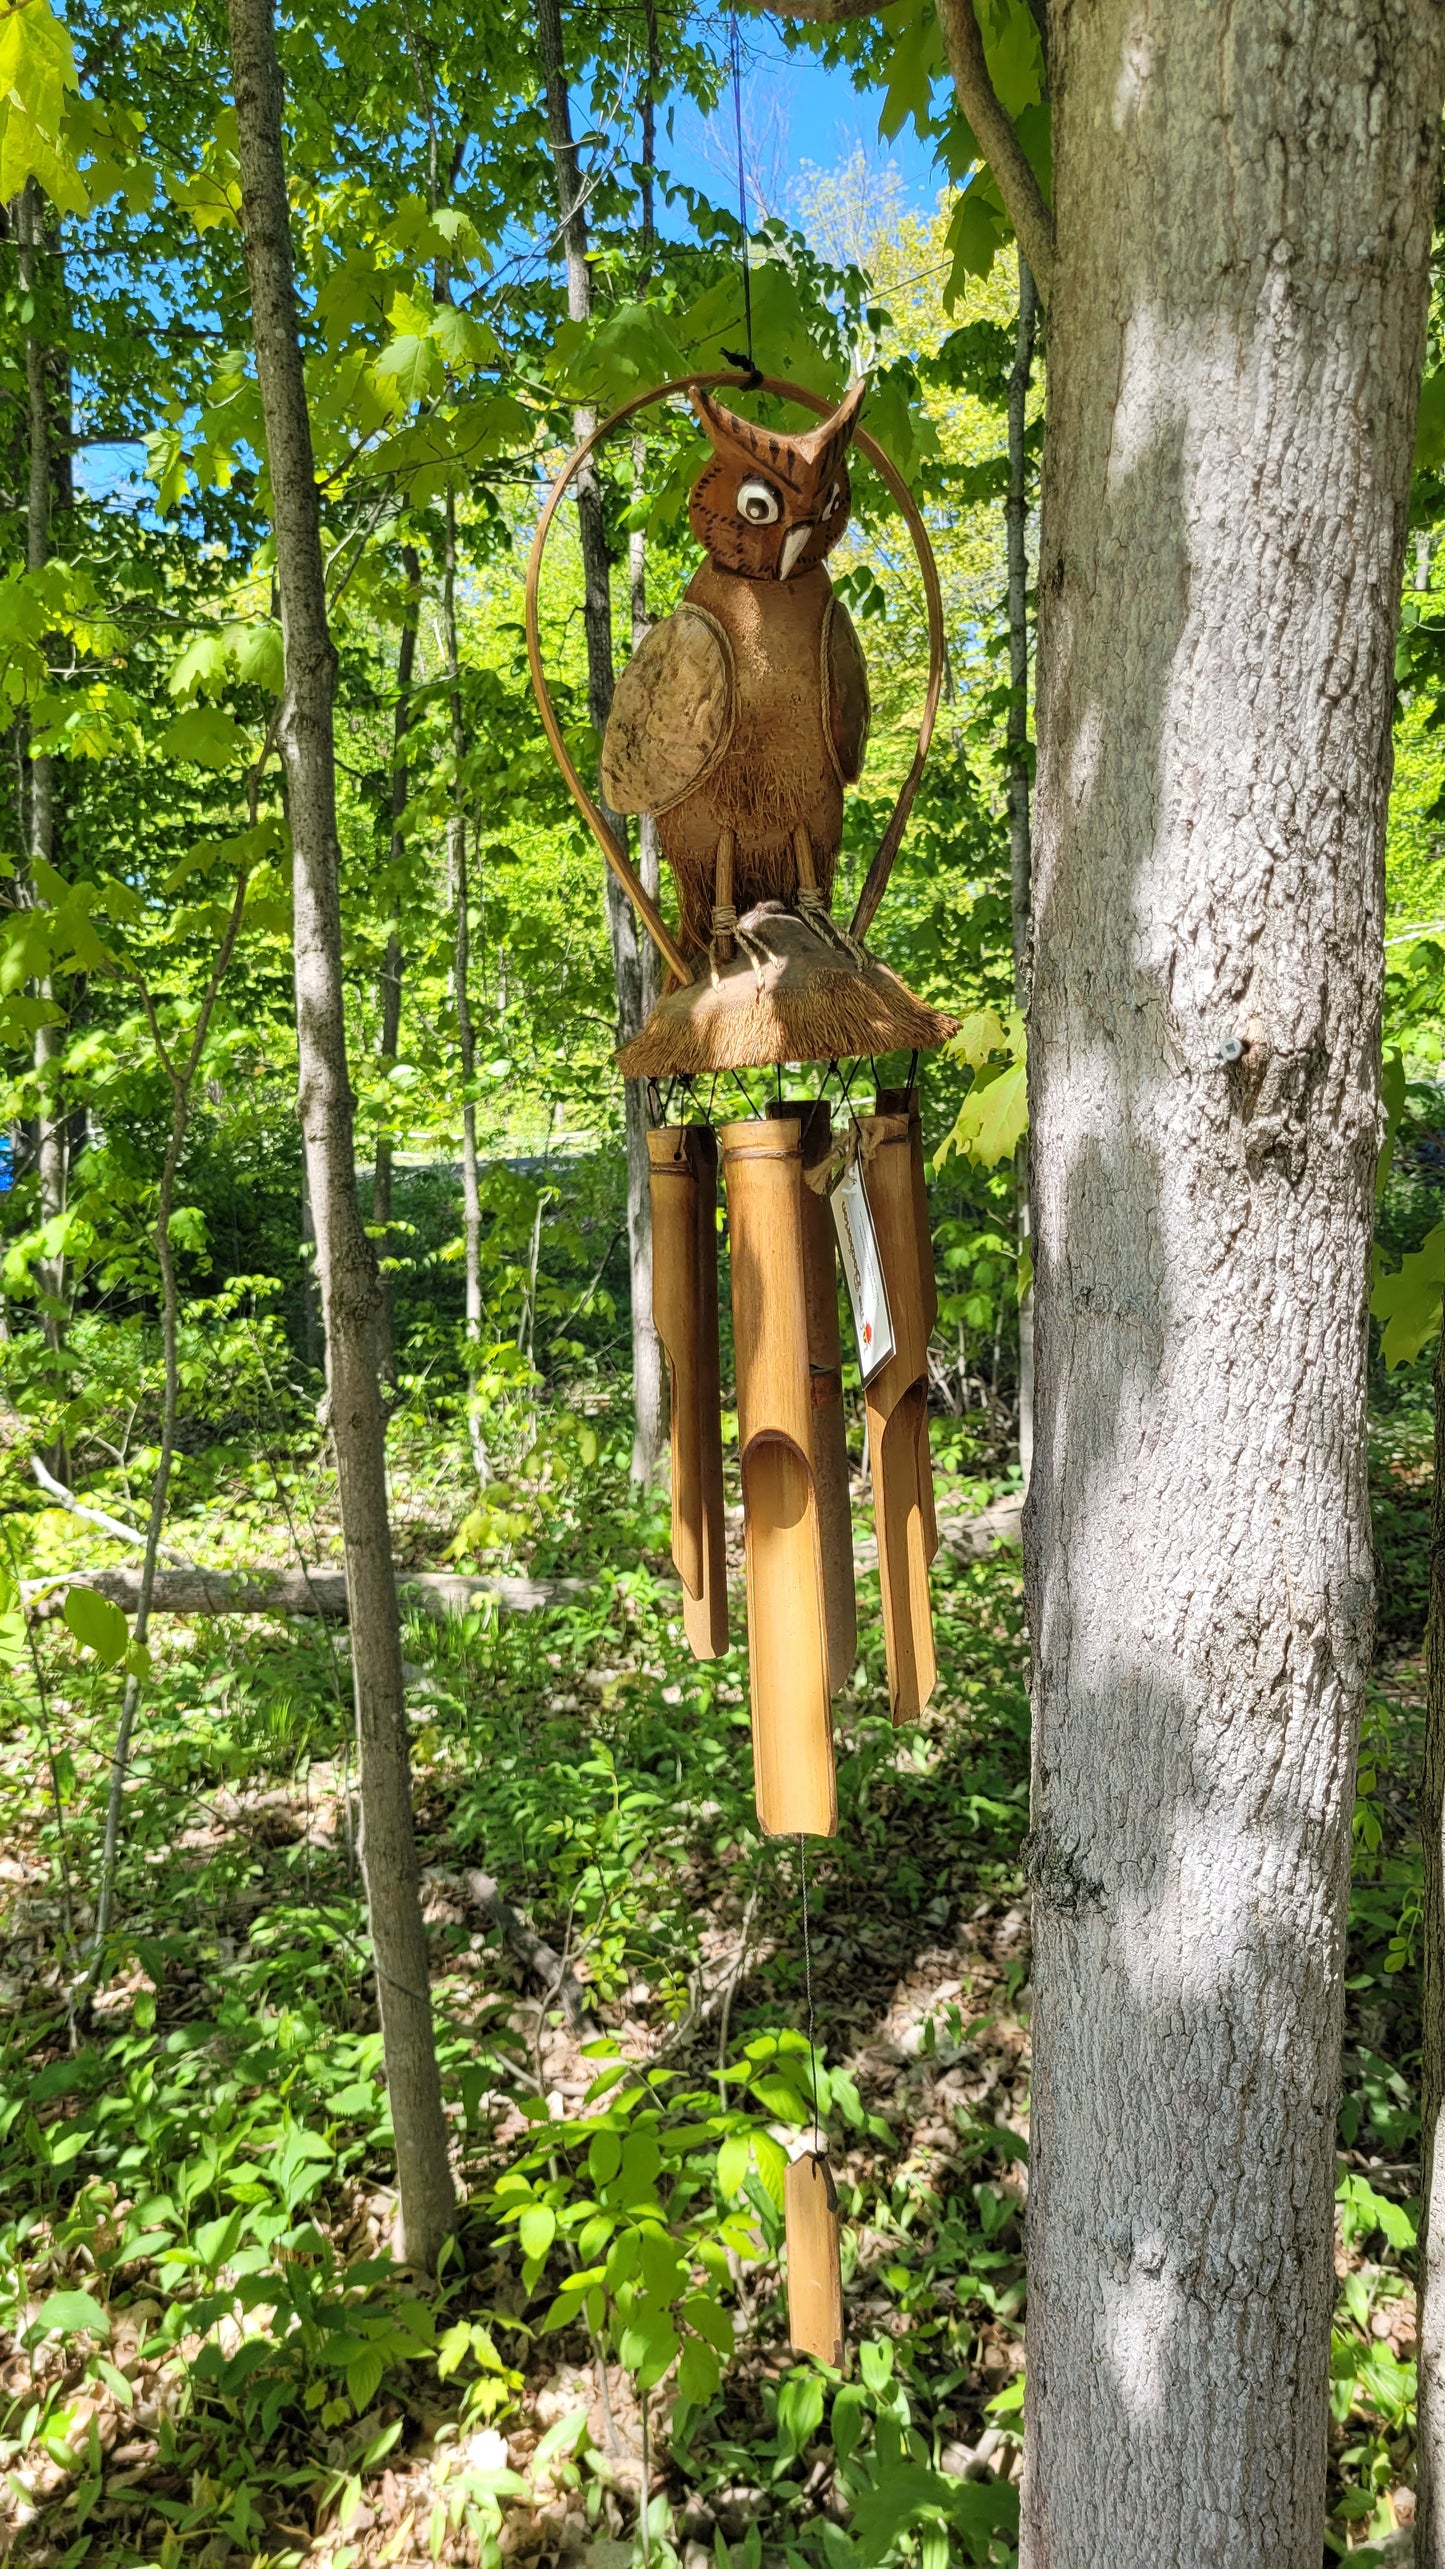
[
  {"x": 683, "y": 1174},
  {"x": 905, "y": 1101},
  {"x": 897, "y": 1405},
  {"x": 815, "y": 2279},
  {"x": 825, "y": 1367},
  {"x": 787, "y": 1615}
]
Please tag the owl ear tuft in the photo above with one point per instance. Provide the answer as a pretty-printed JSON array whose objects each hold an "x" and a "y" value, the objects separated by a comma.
[
  {"x": 727, "y": 433},
  {"x": 824, "y": 445}
]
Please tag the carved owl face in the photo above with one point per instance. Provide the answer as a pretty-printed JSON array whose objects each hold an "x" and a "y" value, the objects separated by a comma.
[{"x": 770, "y": 507}]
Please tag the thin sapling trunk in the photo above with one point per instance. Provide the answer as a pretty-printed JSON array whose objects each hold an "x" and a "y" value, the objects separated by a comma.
[
  {"x": 394, "y": 961},
  {"x": 461, "y": 984},
  {"x": 350, "y": 1284}
]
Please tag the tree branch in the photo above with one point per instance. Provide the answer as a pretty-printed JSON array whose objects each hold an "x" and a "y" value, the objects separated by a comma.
[{"x": 992, "y": 126}]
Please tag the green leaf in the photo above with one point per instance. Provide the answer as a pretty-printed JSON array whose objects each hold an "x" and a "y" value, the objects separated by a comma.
[
  {"x": 846, "y": 2423},
  {"x": 653, "y": 2348},
  {"x": 875, "y": 2362},
  {"x": 800, "y": 2409},
  {"x": 662, "y": 2269},
  {"x": 772, "y": 2166},
  {"x": 1393, "y": 1085},
  {"x": 978, "y": 1036},
  {"x": 537, "y": 2229},
  {"x": 698, "y": 2371},
  {"x": 604, "y": 2156},
  {"x": 992, "y": 1120},
  {"x": 781, "y": 2099},
  {"x": 406, "y": 371},
  {"x": 37, "y": 68},
  {"x": 97, "y": 1625},
  {"x": 1430, "y": 424},
  {"x": 710, "y": 2320},
  {"x": 363, "y": 2378},
  {"x": 65, "y": 2312},
  {"x": 1409, "y": 1302},
  {"x": 733, "y": 2158},
  {"x": 464, "y": 343},
  {"x": 205, "y": 736}
]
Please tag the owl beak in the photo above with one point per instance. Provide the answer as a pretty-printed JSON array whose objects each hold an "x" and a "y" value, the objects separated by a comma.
[{"x": 793, "y": 544}]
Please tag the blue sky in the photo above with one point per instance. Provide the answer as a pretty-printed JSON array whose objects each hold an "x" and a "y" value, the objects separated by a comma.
[{"x": 795, "y": 114}]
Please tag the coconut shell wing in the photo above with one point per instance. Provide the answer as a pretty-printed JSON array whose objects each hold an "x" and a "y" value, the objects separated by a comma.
[
  {"x": 845, "y": 692},
  {"x": 672, "y": 714}
]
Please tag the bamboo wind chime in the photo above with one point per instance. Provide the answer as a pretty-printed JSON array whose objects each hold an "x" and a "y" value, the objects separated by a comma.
[{"x": 737, "y": 725}]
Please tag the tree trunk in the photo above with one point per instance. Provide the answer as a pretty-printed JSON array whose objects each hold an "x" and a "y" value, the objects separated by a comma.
[
  {"x": 350, "y": 1287},
  {"x": 40, "y": 836},
  {"x": 1016, "y": 515},
  {"x": 1243, "y": 199},
  {"x": 461, "y": 985},
  {"x": 394, "y": 961},
  {"x": 629, "y": 965}
]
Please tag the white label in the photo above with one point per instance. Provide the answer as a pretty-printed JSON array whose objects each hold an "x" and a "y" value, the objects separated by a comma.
[{"x": 863, "y": 1270}]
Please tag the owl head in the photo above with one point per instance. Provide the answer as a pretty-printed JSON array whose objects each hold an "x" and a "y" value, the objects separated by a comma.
[{"x": 770, "y": 507}]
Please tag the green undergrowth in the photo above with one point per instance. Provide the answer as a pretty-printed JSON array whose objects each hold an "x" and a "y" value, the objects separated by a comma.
[{"x": 210, "y": 2352}]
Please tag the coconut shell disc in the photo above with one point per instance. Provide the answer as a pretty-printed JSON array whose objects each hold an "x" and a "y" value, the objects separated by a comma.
[{"x": 793, "y": 992}]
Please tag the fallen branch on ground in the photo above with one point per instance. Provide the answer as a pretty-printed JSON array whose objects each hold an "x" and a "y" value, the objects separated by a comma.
[
  {"x": 538, "y": 1957},
  {"x": 114, "y": 1526},
  {"x": 196, "y": 1591}
]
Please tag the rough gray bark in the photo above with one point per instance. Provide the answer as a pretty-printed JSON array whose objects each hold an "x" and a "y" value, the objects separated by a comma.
[
  {"x": 1243, "y": 198},
  {"x": 350, "y": 1286},
  {"x": 629, "y": 962},
  {"x": 394, "y": 961}
]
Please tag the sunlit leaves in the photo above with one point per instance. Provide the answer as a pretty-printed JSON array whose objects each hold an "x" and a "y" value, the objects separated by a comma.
[
  {"x": 97, "y": 1625},
  {"x": 37, "y": 68},
  {"x": 993, "y": 1118},
  {"x": 205, "y": 735}
]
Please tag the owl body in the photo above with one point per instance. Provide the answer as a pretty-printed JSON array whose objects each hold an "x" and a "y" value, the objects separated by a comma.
[{"x": 746, "y": 712}]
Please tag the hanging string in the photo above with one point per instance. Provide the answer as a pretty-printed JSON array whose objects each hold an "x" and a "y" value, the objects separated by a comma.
[
  {"x": 808, "y": 1988},
  {"x": 735, "y": 51}
]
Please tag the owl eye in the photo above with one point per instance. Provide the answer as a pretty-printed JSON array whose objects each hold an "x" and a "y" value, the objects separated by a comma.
[
  {"x": 759, "y": 503},
  {"x": 834, "y": 501}
]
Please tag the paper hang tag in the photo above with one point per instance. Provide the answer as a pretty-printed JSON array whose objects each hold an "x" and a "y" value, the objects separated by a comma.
[{"x": 862, "y": 1267}]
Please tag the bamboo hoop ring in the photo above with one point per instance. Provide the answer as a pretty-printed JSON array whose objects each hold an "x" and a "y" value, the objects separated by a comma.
[{"x": 876, "y": 880}]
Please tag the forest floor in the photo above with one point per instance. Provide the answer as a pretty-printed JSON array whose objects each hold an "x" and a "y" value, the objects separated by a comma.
[{"x": 211, "y": 2356}]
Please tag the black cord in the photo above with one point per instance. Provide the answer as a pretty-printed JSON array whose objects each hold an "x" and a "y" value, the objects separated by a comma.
[{"x": 735, "y": 52}]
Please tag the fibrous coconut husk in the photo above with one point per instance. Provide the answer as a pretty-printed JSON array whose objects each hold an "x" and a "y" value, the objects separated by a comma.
[{"x": 794, "y": 991}]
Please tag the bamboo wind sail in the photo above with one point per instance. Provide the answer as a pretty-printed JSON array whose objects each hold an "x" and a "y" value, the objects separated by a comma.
[
  {"x": 897, "y": 1405},
  {"x": 683, "y": 1176},
  {"x": 787, "y": 1613}
]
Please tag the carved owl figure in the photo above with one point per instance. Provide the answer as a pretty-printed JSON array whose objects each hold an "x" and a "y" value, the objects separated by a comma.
[{"x": 741, "y": 718}]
